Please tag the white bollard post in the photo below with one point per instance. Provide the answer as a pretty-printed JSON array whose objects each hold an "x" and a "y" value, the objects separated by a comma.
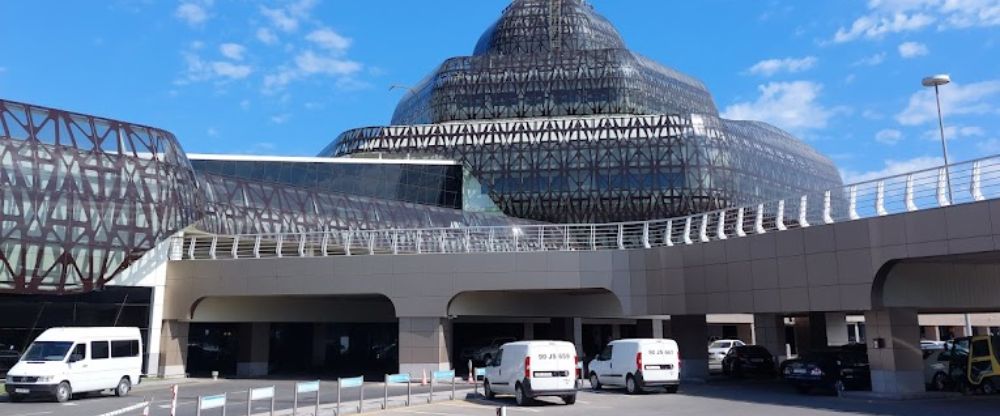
[
  {"x": 173, "y": 400},
  {"x": 502, "y": 411}
]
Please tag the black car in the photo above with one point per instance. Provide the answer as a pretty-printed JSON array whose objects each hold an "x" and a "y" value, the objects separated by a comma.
[
  {"x": 748, "y": 359},
  {"x": 837, "y": 368}
]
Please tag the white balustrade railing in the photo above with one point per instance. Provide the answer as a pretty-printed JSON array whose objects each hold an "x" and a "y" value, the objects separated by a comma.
[{"x": 971, "y": 181}]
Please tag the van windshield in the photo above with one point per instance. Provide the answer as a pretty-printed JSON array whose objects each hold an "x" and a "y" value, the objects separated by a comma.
[{"x": 47, "y": 351}]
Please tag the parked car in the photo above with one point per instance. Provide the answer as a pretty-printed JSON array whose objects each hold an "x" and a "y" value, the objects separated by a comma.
[
  {"x": 482, "y": 355},
  {"x": 637, "y": 364},
  {"x": 837, "y": 368},
  {"x": 65, "y": 361},
  {"x": 936, "y": 369},
  {"x": 748, "y": 359},
  {"x": 530, "y": 369},
  {"x": 8, "y": 357},
  {"x": 931, "y": 345},
  {"x": 717, "y": 350}
]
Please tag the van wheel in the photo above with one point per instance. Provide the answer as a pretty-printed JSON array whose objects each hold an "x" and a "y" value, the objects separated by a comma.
[
  {"x": 124, "y": 386},
  {"x": 940, "y": 382},
  {"x": 520, "y": 397},
  {"x": 989, "y": 386},
  {"x": 631, "y": 386},
  {"x": 595, "y": 383},
  {"x": 488, "y": 391},
  {"x": 63, "y": 392},
  {"x": 571, "y": 399}
]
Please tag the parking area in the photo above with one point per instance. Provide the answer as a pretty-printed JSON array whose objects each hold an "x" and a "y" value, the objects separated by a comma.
[
  {"x": 236, "y": 390},
  {"x": 743, "y": 397}
]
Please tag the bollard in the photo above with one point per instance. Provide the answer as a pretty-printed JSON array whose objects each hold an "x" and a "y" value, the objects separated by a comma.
[
  {"x": 361, "y": 400},
  {"x": 173, "y": 401},
  {"x": 430, "y": 397},
  {"x": 250, "y": 401},
  {"x": 453, "y": 387},
  {"x": 502, "y": 411},
  {"x": 338, "y": 395},
  {"x": 408, "y": 392},
  {"x": 385, "y": 399},
  {"x": 472, "y": 373},
  {"x": 317, "y": 401}
]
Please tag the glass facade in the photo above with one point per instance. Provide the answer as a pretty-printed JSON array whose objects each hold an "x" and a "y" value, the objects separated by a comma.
[
  {"x": 559, "y": 122},
  {"x": 81, "y": 197},
  {"x": 438, "y": 184}
]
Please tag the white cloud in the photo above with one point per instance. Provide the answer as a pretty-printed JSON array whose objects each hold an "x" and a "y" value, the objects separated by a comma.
[
  {"x": 769, "y": 67},
  {"x": 230, "y": 70},
  {"x": 873, "y": 60},
  {"x": 889, "y": 136},
  {"x": 327, "y": 38},
  {"x": 191, "y": 13},
  {"x": 287, "y": 17},
  {"x": 956, "y": 99},
  {"x": 912, "y": 49},
  {"x": 989, "y": 146},
  {"x": 311, "y": 63},
  {"x": 891, "y": 168},
  {"x": 955, "y": 132},
  {"x": 788, "y": 105},
  {"x": 212, "y": 132},
  {"x": 280, "y": 118},
  {"x": 232, "y": 51},
  {"x": 875, "y": 27},
  {"x": 896, "y": 16},
  {"x": 266, "y": 36}
]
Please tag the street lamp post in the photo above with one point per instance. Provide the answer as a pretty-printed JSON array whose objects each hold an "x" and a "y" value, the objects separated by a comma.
[{"x": 937, "y": 81}]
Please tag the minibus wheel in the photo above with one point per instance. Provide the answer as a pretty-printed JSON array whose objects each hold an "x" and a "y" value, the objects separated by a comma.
[
  {"x": 124, "y": 386},
  {"x": 63, "y": 392}
]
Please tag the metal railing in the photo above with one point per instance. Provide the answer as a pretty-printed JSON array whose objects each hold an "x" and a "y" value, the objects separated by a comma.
[{"x": 970, "y": 181}]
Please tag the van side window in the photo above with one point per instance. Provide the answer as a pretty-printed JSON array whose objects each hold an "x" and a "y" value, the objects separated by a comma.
[
  {"x": 79, "y": 351},
  {"x": 121, "y": 349},
  {"x": 606, "y": 353},
  {"x": 498, "y": 359},
  {"x": 98, "y": 350}
]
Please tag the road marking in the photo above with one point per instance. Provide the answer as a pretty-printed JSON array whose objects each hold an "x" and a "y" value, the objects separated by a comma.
[{"x": 33, "y": 414}]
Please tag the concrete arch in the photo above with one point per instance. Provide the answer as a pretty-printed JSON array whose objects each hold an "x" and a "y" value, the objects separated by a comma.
[
  {"x": 333, "y": 308},
  {"x": 583, "y": 303},
  {"x": 953, "y": 283}
]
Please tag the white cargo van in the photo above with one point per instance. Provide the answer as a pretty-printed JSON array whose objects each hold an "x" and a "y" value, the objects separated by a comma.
[
  {"x": 64, "y": 361},
  {"x": 637, "y": 364},
  {"x": 530, "y": 369}
]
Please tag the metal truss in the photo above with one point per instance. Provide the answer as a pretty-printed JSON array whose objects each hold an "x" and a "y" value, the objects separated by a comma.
[{"x": 81, "y": 197}]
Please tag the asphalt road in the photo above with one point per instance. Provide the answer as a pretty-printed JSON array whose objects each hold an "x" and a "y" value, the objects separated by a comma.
[
  {"x": 236, "y": 403},
  {"x": 719, "y": 397}
]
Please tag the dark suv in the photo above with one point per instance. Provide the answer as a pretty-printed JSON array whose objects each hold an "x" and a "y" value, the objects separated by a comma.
[
  {"x": 837, "y": 368},
  {"x": 748, "y": 359}
]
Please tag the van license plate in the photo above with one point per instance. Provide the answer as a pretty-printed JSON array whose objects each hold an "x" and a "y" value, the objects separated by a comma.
[
  {"x": 22, "y": 391},
  {"x": 543, "y": 374}
]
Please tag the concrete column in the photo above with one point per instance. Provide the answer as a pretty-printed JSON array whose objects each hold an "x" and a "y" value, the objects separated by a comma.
[
  {"x": 254, "y": 349},
  {"x": 173, "y": 349},
  {"x": 649, "y": 328},
  {"x": 616, "y": 331},
  {"x": 897, "y": 368},
  {"x": 319, "y": 345},
  {"x": 569, "y": 329},
  {"x": 691, "y": 334},
  {"x": 424, "y": 345},
  {"x": 769, "y": 332},
  {"x": 155, "y": 330},
  {"x": 529, "y": 331},
  {"x": 827, "y": 329}
]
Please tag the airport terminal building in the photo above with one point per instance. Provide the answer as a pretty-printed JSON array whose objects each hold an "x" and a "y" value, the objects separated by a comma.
[{"x": 551, "y": 120}]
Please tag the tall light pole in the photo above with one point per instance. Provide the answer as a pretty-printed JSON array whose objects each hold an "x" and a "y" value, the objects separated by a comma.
[{"x": 937, "y": 81}]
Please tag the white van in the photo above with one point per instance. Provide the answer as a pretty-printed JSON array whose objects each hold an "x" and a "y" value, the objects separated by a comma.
[
  {"x": 64, "y": 361},
  {"x": 530, "y": 369},
  {"x": 637, "y": 364}
]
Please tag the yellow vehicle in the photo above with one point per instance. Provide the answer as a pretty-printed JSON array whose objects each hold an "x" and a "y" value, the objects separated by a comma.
[{"x": 975, "y": 364}]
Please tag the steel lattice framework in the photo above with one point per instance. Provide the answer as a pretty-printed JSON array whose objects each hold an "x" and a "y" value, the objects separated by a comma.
[
  {"x": 81, "y": 197},
  {"x": 550, "y": 58},
  {"x": 613, "y": 168}
]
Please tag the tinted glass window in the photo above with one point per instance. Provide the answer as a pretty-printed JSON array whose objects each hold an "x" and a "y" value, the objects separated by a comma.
[
  {"x": 47, "y": 351},
  {"x": 79, "y": 352},
  {"x": 606, "y": 354},
  {"x": 124, "y": 349},
  {"x": 98, "y": 350},
  {"x": 980, "y": 348}
]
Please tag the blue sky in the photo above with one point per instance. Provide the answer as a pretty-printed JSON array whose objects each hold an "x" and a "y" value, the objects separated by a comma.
[{"x": 285, "y": 77}]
